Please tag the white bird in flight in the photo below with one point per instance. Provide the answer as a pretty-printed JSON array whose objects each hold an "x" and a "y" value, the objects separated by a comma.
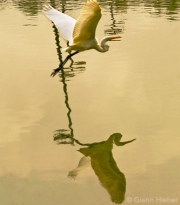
[{"x": 81, "y": 33}]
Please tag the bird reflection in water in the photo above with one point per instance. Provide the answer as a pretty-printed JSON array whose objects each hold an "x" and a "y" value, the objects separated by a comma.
[{"x": 99, "y": 155}]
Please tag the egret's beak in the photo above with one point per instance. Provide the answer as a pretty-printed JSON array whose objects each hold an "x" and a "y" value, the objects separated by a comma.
[{"x": 113, "y": 38}]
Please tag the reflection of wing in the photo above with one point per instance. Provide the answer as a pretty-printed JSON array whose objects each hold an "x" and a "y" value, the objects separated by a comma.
[
  {"x": 105, "y": 167},
  {"x": 111, "y": 178},
  {"x": 64, "y": 23},
  {"x": 83, "y": 164}
]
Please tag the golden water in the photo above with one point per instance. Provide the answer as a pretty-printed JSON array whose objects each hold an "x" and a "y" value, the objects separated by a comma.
[{"x": 133, "y": 89}]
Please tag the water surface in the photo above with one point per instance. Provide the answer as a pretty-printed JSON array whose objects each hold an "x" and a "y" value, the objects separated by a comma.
[{"x": 133, "y": 89}]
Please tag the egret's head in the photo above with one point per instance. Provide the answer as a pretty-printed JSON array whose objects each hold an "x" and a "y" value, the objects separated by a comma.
[{"x": 108, "y": 38}]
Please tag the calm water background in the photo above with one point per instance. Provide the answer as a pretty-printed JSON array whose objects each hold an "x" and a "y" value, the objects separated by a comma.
[{"x": 132, "y": 89}]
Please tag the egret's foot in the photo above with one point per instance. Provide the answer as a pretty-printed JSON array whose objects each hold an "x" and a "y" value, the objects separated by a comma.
[{"x": 55, "y": 71}]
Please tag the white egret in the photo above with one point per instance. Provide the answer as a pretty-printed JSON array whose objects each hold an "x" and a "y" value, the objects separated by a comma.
[{"x": 81, "y": 33}]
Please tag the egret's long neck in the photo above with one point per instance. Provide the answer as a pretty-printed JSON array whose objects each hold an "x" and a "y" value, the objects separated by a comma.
[{"x": 102, "y": 47}]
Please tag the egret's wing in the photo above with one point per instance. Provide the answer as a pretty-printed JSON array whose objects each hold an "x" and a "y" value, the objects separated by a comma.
[
  {"x": 86, "y": 24},
  {"x": 64, "y": 23}
]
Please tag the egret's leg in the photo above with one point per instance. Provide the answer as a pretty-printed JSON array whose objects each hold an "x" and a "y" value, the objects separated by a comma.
[
  {"x": 55, "y": 71},
  {"x": 70, "y": 53}
]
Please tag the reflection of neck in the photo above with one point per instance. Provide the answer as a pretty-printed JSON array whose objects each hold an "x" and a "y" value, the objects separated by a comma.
[{"x": 116, "y": 139}]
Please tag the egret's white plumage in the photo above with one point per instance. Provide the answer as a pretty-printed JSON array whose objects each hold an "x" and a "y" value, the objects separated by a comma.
[
  {"x": 85, "y": 27},
  {"x": 64, "y": 23},
  {"x": 81, "y": 33}
]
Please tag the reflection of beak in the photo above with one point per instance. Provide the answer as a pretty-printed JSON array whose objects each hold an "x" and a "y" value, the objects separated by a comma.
[
  {"x": 113, "y": 38},
  {"x": 123, "y": 143}
]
